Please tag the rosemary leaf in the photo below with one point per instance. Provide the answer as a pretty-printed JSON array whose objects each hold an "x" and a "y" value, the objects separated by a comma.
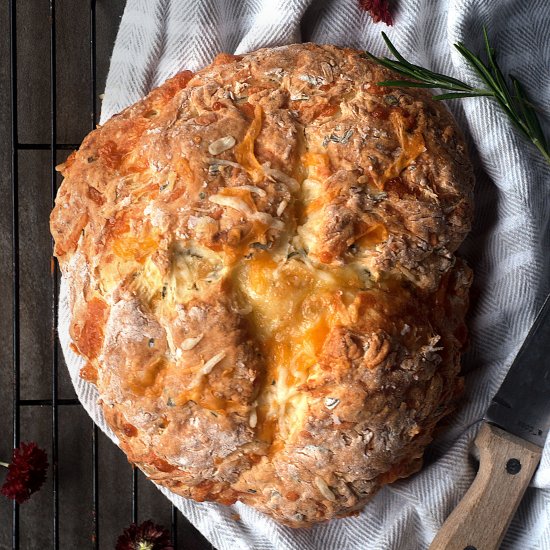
[
  {"x": 499, "y": 77},
  {"x": 404, "y": 84},
  {"x": 528, "y": 112},
  {"x": 458, "y": 95}
]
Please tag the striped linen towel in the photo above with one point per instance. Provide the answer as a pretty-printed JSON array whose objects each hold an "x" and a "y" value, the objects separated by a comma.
[{"x": 508, "y": 247}]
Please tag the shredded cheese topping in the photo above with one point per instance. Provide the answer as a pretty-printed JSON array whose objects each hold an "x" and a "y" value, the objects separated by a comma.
[
  {"x": 244, "y": 151},
  {"x": 412, "y": 145}
]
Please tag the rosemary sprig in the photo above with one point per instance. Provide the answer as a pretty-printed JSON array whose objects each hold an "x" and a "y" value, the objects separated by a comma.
[{"x": 514, "y": 103}]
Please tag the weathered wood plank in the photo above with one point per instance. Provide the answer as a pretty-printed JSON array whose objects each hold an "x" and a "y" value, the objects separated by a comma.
[
  {"x": 6, "y": 273},
  {"x": 74, "y": 95}
]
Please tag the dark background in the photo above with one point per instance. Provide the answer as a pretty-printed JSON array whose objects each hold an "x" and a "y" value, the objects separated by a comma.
[{"x": 32, "y": 370}]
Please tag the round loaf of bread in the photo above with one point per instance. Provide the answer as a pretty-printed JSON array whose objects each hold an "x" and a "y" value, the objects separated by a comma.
[{"x": 260, "y": 260}]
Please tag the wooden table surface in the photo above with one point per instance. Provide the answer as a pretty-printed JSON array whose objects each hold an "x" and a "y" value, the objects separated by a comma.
[{"x": 26, "y": 293}]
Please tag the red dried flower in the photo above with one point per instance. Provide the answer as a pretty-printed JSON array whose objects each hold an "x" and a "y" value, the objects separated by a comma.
[
  {"x": 379, "y": 10},
  {"x": 26, "y": 473},
  {"x": 145, "y": 536}
]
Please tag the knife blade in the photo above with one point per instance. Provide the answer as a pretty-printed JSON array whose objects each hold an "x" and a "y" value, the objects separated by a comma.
[
  {"x": 521, "y": 406},
  {"x": 510, "y": 442}
]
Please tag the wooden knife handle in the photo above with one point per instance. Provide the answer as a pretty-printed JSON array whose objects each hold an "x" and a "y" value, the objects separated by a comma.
[{"x": 480, "y": 520}]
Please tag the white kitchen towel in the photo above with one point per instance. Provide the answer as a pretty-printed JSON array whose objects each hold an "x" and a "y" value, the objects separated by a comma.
[{"x": 509, "y": 247}]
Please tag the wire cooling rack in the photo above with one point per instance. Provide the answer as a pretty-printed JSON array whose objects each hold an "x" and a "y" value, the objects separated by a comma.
[{"x": 187, "y": 538}]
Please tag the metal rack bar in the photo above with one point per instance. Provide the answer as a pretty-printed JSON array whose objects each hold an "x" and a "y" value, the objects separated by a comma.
[
  {"x": 16, "y": 387},
  {"x": 93, "y": 64},
  {"x": 46, "y": 146},
  {"x": 174, "y": 526},
  {"x": 95, "y": 432},
  {"x": 47, "y": 402},
  {"x": 95, "y": 488},
  {"x": 135, "y": 502},
  {"x": 54, "y": 280}
]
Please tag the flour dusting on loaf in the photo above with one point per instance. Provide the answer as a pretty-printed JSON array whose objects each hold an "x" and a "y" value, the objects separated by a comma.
[{"x": 263, "y": 280}]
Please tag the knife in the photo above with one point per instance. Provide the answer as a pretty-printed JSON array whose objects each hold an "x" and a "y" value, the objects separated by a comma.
[{"x": 510, "y": 443}]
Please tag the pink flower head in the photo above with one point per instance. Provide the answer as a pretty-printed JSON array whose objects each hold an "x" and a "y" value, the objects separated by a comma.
[
  {"x": 379, "y": 10},
  {"x": 26, "y": 473},
  {"x": 145, "y": 536}
]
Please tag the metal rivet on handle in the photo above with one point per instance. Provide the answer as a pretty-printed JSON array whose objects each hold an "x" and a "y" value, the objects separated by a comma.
[{"x": 513, "y": 466}]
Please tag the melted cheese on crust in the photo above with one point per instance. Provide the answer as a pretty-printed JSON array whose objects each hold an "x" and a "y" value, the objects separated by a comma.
[{"x": 294, "y": 307}]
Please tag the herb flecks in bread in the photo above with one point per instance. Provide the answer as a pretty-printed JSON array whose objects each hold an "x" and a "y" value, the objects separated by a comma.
[{"x": 262, "y": 278}]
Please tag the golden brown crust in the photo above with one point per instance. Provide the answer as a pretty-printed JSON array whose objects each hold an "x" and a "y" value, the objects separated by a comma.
[{"x": 262, "y": 278}]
